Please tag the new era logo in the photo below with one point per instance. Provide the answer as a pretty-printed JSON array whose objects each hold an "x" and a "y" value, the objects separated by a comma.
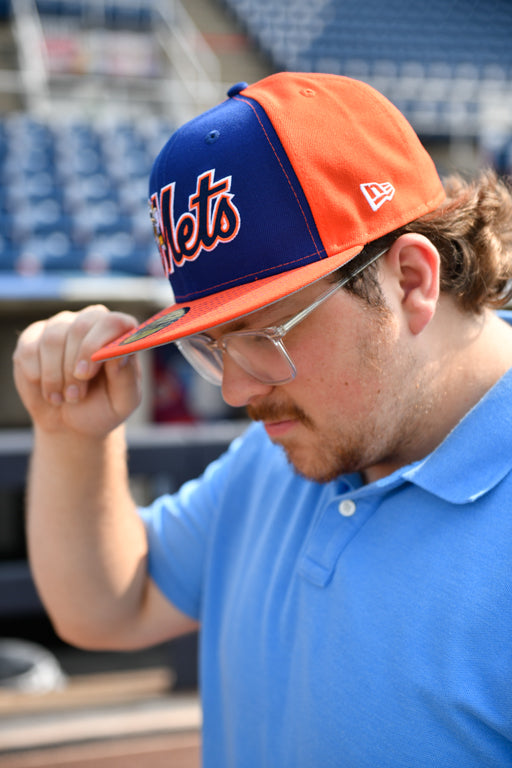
[{"x": 377, "y": 194}]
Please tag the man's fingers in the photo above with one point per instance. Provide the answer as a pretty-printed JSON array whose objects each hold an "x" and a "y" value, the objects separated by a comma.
[
  {"x": 87, "y": 337},
  {"x": 124, "y": 377},
  {"x": 56, "y": 353},
  {"x": 89, "y": 330},
  {"x": 26, "y": 356},
  {"x": 26, "y": 364},
  {"x": 51, "y": 356}
]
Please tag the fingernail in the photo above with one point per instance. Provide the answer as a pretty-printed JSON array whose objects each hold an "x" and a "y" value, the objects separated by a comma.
[
  {"x": 55, "y": 398},
  {"x": 81, "y": 368}
]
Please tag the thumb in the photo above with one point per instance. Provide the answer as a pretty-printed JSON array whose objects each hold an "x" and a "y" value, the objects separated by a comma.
[{"x": 124, "y": 384}]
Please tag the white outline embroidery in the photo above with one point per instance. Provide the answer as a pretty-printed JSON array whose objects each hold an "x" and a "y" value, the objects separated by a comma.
[{"x": 377, "y": 194}]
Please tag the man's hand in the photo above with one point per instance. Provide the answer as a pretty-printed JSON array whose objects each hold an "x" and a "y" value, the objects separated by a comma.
[{"x": 62, "y": 389}]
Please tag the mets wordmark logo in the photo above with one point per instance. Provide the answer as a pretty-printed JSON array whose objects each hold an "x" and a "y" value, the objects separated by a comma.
[
  {"x": 377, "y": 194},
  {"x": 212, "y": 218}
]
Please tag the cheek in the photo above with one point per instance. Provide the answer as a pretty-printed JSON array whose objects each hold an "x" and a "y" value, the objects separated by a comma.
[
  {"x": 349, "y": 376},
  {"x": 328, "y": 379}
]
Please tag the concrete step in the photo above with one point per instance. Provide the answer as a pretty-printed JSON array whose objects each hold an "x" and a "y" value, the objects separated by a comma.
[
  {"x": 106, "y": 706},
  {"x": 181, "y": 750}
]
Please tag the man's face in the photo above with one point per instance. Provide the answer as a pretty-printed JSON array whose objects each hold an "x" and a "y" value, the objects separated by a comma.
[{"x": 353, "y": 405}]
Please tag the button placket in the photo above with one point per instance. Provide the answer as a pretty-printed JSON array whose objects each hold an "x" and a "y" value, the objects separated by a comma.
[{"x": 340, "y": 521}]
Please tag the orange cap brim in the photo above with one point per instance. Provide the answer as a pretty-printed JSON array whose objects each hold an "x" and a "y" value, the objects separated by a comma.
[{"x": 180, "y": 320}]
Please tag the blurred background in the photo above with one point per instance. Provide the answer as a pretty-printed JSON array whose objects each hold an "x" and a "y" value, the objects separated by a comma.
[{"x": 90, "y": 90}]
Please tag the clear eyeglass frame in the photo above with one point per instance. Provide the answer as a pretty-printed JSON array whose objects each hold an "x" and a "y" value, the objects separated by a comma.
[{"x": 260, "y": 353}]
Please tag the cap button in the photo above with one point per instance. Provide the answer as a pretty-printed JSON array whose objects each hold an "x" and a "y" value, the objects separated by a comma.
[{"x": 236, "y": 88}]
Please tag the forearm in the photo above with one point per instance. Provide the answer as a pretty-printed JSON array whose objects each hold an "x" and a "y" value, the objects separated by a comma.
[
  {"x": 86, "y": 542},
  {"x": 87, "y": 545}
]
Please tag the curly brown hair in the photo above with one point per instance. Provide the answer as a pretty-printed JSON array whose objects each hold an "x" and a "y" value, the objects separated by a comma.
[{"x": 472, "y": 230}]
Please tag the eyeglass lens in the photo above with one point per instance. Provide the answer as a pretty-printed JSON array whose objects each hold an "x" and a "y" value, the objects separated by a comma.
[
  {"x": 255, "y": 353},
  {"x": 263, "y": 358},
  {"x": 207, "y": 362}
]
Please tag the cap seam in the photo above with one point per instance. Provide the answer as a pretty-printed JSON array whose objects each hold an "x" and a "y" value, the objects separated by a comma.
[
  {"x": 254, "y": 274},
  {"x": 283, "y": 169}
]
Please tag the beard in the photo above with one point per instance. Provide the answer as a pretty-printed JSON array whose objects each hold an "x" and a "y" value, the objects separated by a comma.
[
  {"x": 367, "y": 414},
  {"x": 324, "y": 454},
  {"x": 317, "y": 455},
  {"x": 375, "y": 429}
]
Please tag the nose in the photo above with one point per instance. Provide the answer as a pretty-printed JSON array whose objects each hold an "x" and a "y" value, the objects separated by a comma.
[{"x": 238, "y": 386}]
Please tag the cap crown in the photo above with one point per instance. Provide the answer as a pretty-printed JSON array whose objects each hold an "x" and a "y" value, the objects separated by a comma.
[
  {"x": 278, "y": 186},
  {"x": 294, "y": 169}
]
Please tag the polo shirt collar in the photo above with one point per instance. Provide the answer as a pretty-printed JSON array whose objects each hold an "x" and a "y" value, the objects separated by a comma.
[{"x": 475, "y": 456}]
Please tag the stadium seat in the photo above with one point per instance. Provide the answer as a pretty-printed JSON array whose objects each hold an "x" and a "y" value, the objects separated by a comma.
[
  {"x": 399, "y": 40},
  {"x": 74, "y": 194}
]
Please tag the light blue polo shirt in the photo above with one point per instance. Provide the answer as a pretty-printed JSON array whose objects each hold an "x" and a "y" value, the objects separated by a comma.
[{"x": 350, "y": 625}]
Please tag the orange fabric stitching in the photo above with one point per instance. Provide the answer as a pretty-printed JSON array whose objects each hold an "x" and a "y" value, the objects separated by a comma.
[
  {"x": 238, "y": 98},
  {"x": 253, "y": 274}
]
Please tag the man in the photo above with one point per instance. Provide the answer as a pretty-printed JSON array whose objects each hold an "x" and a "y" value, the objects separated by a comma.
[{"x": 348, "y": 560}]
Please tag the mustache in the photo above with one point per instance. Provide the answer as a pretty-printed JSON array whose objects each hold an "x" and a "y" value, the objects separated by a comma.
[{"x": 277, "y": 412}]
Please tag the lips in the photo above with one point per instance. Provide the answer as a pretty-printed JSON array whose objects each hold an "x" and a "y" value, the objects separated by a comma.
[
  {"x": 275, "y": 429},
  {"x": 278, "y": 418}
]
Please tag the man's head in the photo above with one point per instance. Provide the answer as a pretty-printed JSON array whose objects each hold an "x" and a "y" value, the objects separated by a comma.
[
  {"x": 261, "y": 206},
  {"x": 276, "y": 188}
]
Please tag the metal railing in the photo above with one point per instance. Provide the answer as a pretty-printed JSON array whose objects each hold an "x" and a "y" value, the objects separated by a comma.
[{"x": 186, "y": 83}]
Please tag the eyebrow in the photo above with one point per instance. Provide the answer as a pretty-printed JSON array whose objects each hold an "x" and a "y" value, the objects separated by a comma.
[{"x": 237, "y": 325}]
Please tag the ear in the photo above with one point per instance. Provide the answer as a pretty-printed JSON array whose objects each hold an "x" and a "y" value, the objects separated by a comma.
[{"x": 414, "y": 264}]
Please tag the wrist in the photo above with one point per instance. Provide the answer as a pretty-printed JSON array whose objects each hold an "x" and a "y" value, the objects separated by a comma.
[{"x": 71, "y": 445}]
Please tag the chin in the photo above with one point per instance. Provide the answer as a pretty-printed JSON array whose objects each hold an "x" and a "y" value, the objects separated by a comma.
[
  {"x": 315, "y": 470},
  {"x": 323, "y": 464}
]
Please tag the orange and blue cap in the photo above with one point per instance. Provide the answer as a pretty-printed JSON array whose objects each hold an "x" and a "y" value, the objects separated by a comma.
[{"x": 276, "y": 187}]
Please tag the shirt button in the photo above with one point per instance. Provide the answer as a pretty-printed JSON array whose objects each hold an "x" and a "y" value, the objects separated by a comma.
[{"x": 347, "y": 507}]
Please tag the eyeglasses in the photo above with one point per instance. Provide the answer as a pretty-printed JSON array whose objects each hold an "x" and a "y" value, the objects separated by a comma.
[{"x": 260, "y": 353}]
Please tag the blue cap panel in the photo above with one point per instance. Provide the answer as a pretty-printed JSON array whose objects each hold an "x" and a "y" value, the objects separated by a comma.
[{"x": 227, "y": 205}]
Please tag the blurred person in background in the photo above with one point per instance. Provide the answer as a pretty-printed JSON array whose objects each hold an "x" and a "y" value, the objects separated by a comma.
[{"x": 347, "y": 561}]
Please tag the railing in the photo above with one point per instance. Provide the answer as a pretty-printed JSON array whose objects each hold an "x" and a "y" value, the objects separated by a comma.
[{"x": 187, "y": 84}]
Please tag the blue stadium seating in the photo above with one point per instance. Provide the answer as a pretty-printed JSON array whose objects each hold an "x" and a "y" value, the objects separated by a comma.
[
  {"x": 73, "y": 195},
  {"x": 297, "y": 33},
  {"x": 446, "y": 65},
  {"x": 116, "y": 14}
]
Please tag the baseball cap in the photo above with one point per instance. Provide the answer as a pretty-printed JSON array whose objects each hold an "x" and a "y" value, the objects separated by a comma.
[{"x": 276, "y": 187}]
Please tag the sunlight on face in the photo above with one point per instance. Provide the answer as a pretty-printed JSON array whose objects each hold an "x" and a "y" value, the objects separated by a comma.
[{"x": 353, "y": 404}]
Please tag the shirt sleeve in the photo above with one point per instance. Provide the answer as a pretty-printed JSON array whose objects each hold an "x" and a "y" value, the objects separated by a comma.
[{"x": 177, "y": 528}]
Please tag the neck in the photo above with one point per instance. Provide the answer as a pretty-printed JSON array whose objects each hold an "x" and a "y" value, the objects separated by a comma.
[
  {"x": 463, "y": 356},
  {"x": 476, "y": 356}
]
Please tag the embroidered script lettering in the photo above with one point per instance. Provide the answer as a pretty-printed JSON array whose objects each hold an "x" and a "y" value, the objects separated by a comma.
[{"x": 212, "y": 218}]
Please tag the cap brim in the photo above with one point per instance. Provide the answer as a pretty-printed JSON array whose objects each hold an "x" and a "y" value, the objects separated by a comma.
[{"x": 185, "y": 319}]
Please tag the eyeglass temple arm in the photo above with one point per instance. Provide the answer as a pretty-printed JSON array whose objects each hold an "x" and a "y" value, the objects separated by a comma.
[{"x": 287, "y": 326}]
